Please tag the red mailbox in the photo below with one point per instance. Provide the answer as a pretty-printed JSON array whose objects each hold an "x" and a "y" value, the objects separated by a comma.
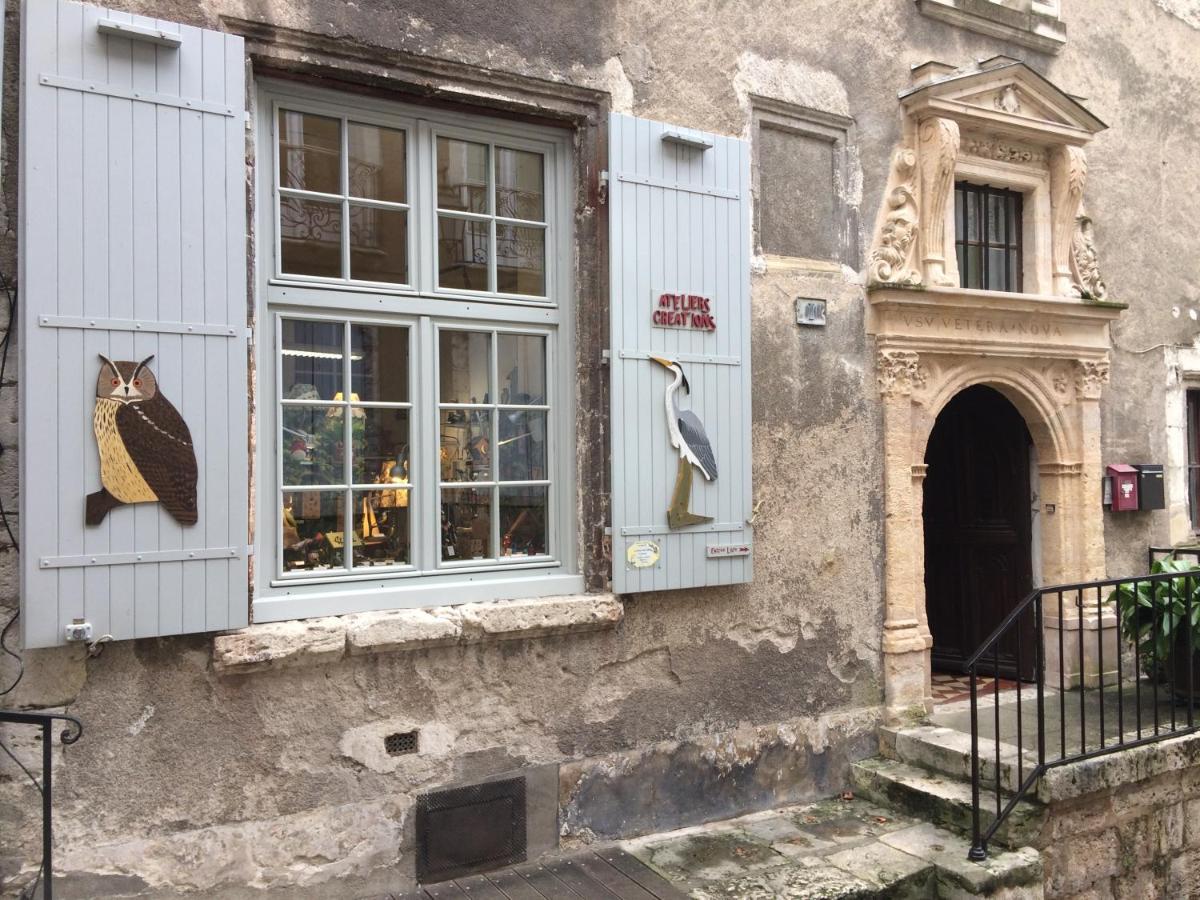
[{"x": 1124, "y": 487}]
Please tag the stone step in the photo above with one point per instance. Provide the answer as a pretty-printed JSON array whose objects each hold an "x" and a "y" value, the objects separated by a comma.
[
  {"x": 941, "y": 799},
  {"x": 837, "y": 849},
  {"x": 948, "y": 752}
]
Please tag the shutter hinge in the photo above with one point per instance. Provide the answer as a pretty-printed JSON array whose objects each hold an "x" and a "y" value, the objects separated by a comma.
[
  {"x": 602, "y": 193},
  {"x": 605, "y": 357}
]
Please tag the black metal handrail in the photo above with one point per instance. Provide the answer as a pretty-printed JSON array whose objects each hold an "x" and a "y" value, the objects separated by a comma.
[
  {"x": 69, "y": 735},
  {"x": 1143, "y": 664}
]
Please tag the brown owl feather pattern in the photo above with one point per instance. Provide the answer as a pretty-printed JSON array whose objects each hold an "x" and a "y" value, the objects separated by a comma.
[{"x": 146, "y": 452}]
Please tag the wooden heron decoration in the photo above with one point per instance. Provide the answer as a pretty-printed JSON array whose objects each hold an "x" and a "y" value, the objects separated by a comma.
[{"x": 690, "y": 439}]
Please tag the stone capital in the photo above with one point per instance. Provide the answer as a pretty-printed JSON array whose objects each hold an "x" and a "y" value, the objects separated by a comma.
[
  {"x": 899, "y": 373},
  {"x": 1090, "y": 377}
]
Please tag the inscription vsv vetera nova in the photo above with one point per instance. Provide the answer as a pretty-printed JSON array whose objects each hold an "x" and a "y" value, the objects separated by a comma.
[{"x": 980, "y": 325}]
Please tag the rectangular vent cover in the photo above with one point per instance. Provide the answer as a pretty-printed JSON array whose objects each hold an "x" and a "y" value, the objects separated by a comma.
[
  {"x": 470, "y": 829},
  {"x": 401, "y": 743}
]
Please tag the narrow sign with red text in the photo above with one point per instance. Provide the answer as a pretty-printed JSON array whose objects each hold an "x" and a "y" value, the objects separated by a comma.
[{"x": 687, "y": 311}]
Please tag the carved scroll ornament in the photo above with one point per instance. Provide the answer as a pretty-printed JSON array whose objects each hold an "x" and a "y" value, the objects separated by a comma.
[
  {"x": 1085, "y": 268},
  {"x": 891, "y": 256},
  {"x": 1068, "y": 175},
  {"x": 939, "y": 141}
]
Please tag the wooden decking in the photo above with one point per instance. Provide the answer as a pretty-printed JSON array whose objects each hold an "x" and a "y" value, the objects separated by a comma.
[{"x": 605, "y": 875}]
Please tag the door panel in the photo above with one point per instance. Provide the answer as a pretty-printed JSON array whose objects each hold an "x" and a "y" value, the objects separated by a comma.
[{"x": 978, "y": 561}]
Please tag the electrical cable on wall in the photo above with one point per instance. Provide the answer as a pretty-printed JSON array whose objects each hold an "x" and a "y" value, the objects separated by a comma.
[{"x": 6, "y": 342}]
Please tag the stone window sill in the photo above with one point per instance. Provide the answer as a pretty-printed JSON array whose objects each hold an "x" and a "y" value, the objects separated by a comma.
[
  {"x": 305, "y": 642},
  {"x": 1021, "y": 22}
]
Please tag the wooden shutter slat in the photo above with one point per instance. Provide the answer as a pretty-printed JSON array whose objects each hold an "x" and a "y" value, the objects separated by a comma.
[
  {"x": 679, "y": 217},
  {"x": 138, "y": 226}
]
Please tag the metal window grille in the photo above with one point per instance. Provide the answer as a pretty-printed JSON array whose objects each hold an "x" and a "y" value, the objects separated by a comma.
[
  {"x": 987, "y": 237},
  {"x": 470, "y": 829},
  {"x": 1193, "y": 458}
]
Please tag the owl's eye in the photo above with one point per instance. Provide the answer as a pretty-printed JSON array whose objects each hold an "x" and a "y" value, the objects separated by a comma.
[
  {"x": 137, "y": 382},
  {"x": 116, "y": 382}
]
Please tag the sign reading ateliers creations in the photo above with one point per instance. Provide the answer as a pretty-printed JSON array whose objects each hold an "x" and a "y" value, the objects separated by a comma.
[{"x": 685, "y": 311}]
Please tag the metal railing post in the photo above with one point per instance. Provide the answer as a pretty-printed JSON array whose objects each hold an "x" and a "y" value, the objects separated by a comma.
[{"x": 978, "y": 848}]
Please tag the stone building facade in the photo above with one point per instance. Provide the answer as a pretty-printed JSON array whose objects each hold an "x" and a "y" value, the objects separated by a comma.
[{"x": 254, "y": 762}]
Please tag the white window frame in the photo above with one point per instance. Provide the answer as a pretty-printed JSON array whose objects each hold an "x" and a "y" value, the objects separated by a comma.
[{"x": 424, "y": 308}]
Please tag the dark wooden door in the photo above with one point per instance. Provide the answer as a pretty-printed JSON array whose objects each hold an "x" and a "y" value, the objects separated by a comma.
[{"x": 978, "y": 562}]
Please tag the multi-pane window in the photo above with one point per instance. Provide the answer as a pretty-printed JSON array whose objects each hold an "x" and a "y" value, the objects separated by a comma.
[
  {"x": 491, "y": 218},
  {"x": 493, "y": 414},
  {"x": 987, "y": 237},
  {"x": 417, "y": 435},
  {"x": 334, "y": 171},
  {"x": 1193, "y": 457},
  {"x": 345, "y": 446}
]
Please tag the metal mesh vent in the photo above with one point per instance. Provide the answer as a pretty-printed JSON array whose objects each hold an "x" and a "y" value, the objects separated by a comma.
[
  {"x": 470, "y": 829},
  {"x": 400, "y": 743}
]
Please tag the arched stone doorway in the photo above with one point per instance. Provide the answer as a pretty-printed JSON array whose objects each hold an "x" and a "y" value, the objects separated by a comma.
[
  {"x": 978, "y": 525},
  {"x": 1057, "y": 400}
]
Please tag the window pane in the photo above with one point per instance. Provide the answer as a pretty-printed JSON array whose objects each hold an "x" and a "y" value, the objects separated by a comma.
[
  {"x": 381, "y": 443},
  {"x": 466, "y": 445},
  {"x": 312, "y": 359},
  {"x": 1014, "y": 271},
  {"x": 465, "y": 361},
  {"x": 959, "y": 202},
  {"x": 522, "y": 521},
  {"x": 522, "y": 445},
  {"x": 313, "y": 534},
  {"x": 520, "y": 260},
  {"x": 462, "y": 175},
  {"x": 974, "y": 267},
  {"x": 521, "y": 368},
  {"x": 379, "y": 363},
  {"x": 381, "y": 534},
  {"x": 378, "y": 244},
  {"x": 997, "y": 228},
  {"x": 310, "y": 233},
  {"x": 466, "y": 523},
  {"x": 960, "y": 250},
  {"x": 520, "y": 188},
  {"x": 464, "y": 247},
  {"x": 973, "y": 217},
  {"x": 310, "y": 151},
  {"x": 313, "y": 445},
  {"x": 997, "y": 269},
  {"x": 377, "y": 163}
]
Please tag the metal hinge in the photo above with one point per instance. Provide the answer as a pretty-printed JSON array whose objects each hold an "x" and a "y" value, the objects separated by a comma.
[
  {"x": 603, "y": 191},
  {"x": 605, "y": 357}
]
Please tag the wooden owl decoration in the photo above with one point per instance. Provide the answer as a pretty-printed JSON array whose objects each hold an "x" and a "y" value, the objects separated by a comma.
[{"x": 146, "y": 452}]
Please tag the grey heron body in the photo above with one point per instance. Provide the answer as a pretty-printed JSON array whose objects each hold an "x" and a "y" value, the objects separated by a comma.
[{"x": 691, "y": 440}]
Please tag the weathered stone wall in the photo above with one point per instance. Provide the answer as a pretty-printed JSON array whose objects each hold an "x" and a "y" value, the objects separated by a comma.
[
  {"x": 1125, "y": 826},
  {"x": 709, "y": 702}
]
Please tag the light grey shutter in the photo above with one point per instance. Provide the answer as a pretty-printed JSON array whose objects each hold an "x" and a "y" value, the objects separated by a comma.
[
  {"x": 679, "y": 225},
  {"x": 132, "y": 243}
]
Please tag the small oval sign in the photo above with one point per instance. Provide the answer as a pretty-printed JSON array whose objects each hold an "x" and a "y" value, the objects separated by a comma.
[{"x": 642, "y": 554}]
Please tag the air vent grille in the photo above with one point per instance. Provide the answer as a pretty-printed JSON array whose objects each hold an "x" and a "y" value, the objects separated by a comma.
[
  {"x": 401, "y": 743},
  {"x": 470, "y": 829}
]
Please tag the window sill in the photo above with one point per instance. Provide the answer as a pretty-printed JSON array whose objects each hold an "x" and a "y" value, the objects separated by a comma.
[
  {"x": 1029, "y": 27},
  {"x": 305, "y": 642}
]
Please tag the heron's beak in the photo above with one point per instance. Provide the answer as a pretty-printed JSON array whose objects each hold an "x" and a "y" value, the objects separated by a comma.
[{"x": 665, "y": 363}]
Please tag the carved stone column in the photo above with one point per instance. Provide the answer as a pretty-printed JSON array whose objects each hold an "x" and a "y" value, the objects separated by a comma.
[
  {"x": 938, "y": 144},
  {"x": 1068, "y": 175},
  {"x": 905, "y": 642}
]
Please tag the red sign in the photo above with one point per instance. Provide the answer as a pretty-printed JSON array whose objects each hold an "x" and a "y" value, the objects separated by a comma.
[{"x": 688, "y": 311}]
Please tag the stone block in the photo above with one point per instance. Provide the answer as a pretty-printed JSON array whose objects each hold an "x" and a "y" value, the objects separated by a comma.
[
  {"x": 540, "y": 617},
  {"x": 280, "y": 645},
  {"x": 399, "y": 629},
  {"x": 1079, "y": 864}
]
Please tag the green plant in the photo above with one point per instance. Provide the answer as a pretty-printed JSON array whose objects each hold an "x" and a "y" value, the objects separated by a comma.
[{"x": 1154, "y": 613}]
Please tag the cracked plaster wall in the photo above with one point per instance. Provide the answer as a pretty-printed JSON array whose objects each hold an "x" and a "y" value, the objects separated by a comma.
[{"x": 243, "y": 786}]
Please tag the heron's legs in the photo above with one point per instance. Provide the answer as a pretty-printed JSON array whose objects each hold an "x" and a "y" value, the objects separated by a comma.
[{"x": 678, "y": 514}]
